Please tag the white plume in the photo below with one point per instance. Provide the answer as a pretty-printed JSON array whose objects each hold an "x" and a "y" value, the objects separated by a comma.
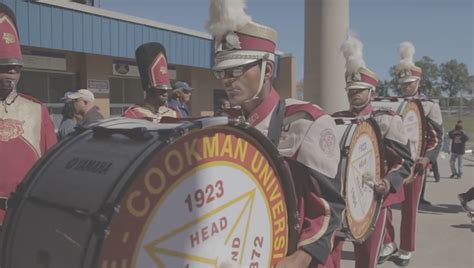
[
  {"x": 352, "y": 50},
  {"x": 407, "y": 51},
  {"x": 225, "y": 16}
]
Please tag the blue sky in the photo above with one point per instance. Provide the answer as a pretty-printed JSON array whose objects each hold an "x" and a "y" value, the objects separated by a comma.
[{"x": 441, "y": 29}]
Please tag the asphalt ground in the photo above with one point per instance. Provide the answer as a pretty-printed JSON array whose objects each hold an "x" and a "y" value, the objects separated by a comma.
[{"x": 445, "y": 233}]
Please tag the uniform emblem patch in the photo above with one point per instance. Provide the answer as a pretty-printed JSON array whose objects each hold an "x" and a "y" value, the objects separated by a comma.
[
  {"x": 10, "y": 129},
  {"x": 8, "y": 38},
  {"x": 327, "y": 142}
]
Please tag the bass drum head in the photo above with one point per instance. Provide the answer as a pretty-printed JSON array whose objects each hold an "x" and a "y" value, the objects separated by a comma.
[
  {"x": 363, "y": 170},
  {"x": 212, "y": 196},
  {"x": 414, "y": 123}
]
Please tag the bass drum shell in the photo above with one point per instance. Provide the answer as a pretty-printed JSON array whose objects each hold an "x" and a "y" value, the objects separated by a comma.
[
  {"x": 360, "y": 168},
  {"x": 129, "y": 193},
  {"x": 413, "y": 116}
]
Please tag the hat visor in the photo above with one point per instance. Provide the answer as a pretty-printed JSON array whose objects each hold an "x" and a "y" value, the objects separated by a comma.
[
  {"x": 163, "y": 87},
  {"x": 359, "y": 85},
  {"x": 72, "y": 96},
  {"x": 408, "y": 79},
  {"x": 230, "y": 59},
  {"x": 11, "y": 62}
]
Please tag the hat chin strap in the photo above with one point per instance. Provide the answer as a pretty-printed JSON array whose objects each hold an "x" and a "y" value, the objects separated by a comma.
[
  {"x": 416, "y": 90},
  {"x": 260, "y": 84}
]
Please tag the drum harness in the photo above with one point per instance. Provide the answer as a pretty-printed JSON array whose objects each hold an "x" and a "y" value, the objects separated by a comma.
[{"x": 274, "y": 134}]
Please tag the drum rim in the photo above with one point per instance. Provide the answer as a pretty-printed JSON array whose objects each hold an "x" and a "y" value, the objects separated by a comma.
[
  {"x": 378, "y": 200},
  {"x": 422, "y": 118},
  {"x": 259, "y": 141}
]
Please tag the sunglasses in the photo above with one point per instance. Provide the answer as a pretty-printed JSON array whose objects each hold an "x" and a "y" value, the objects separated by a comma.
[
  {"x": 235, "y": 72},
  {"x": 7, "y": 68}
]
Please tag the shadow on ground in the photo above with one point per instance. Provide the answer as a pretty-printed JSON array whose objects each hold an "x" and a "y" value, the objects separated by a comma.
[
  {"x": 437, "y": 209},
  {"x": 464, "y": 226},
  {"x": 348, "y": 255}
]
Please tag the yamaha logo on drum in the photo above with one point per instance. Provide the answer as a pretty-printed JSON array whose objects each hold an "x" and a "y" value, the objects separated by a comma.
[{"x": 210, "y": 198}]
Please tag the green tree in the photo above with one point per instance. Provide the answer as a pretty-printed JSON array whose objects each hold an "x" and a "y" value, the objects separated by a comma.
[
  {"x": 383, "y": 88},
  {"x": 454, "y": 77},
  {"x": 429, "y": 83},
  {"x": 393, "y": 83},
  {"x": 300, "y": 90}
]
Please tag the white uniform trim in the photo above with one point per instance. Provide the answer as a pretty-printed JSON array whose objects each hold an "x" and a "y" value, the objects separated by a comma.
[
  {"x": 433, "y": 111},
  {"x": 319, "y": 149},
  {"x": 392, "y": 128}
]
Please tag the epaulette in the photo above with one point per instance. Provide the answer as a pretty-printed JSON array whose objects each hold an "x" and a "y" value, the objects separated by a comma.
[
  {"x": 387, "y": 98},
  {"x": 30, "y": 98},
  {"x": 313, "y": 111},
  {"x": 379, "y": 112},
  {"x": 424, "y": 97},
  {"x": 344, "y": 114}
]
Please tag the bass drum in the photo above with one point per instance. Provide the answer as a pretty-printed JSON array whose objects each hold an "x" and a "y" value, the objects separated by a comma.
[
  {"x": 414, "y": 121},
  {"x": 129, "y": 193},
  {"x": 361, "y": 167}
]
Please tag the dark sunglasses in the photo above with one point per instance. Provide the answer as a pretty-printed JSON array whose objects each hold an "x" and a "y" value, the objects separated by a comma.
[
  {"x": 235, "y": 72},
  {"x": 7, "y": 68}
]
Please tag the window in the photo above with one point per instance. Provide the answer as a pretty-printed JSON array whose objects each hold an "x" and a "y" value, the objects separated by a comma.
[
  {"x": 49, "y": 88},
  {"x": 124, "y": 92}
]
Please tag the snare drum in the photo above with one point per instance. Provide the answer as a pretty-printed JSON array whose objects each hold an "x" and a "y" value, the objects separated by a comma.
[
  {"x": 414, "y": 121},
  {"x": 361, "y": 167},
  {"x": 129, "y": 193}
]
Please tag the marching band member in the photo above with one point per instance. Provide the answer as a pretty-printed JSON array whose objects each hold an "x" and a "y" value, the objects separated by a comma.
[
  {"x": 360, "y": 88},
  {"x": 303, "y": 132},
  {"x": 409, "y": 76},
  {"x": 153, "y": 68},
  {"x": 26, "y": 129}
]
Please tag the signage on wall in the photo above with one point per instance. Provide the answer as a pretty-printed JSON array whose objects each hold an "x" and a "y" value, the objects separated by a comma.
[
  {"x": 44, "y": 62},
  {"x": 122, "y": 68},
  {"x": 172, "y": 73},
  {"x": 98, "y": 86}
]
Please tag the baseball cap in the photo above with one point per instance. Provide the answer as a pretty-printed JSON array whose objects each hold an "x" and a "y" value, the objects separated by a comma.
[
  {"x": 85, "y": 94},
  {"x": 181, "y": 85}
]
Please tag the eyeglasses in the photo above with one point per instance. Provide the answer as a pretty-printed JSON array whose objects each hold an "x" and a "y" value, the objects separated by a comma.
[
  {"x": 7, "y": 68},
  {"x": 235, "y": 71}
]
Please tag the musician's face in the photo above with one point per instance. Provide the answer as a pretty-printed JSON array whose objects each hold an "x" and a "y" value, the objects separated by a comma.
[
  {"x": 242, "y": 85},
  {"x": 409, "y": 88},
  {"x": 358, "y": 97},
  {"x": 9, "y": 76},
  {"x": 157, "y": 96}
]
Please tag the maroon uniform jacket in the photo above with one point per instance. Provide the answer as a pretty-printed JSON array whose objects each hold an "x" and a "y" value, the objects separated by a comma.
[
  {"x": 26, "y": 133},
  {"x": 309, "y": 144}
]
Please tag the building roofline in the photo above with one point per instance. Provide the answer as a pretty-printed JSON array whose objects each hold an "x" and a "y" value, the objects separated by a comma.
[{"x": 123, "y": 17}]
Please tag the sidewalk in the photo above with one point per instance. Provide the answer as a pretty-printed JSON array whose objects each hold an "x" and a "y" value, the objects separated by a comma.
[{"x": 445, "y": 235}]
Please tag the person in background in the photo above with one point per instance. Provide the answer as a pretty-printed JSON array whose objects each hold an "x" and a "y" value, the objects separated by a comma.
[
  {"x": 458, "y": 148},
  {"x": 83, "y": 103},
  {"x": 153, "y": 68},
  {"x": 26, "y": 129},
  {"x": 302, "y": 132},
  {"x": 465, "y": 198},
  {"x": 68, "y": 122},
  {"x": 180, "y": 96},
  {"x": 222, "y": 106}
]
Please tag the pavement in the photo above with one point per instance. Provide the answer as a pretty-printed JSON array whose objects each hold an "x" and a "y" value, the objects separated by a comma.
[{"x": 445, "y": 234}]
